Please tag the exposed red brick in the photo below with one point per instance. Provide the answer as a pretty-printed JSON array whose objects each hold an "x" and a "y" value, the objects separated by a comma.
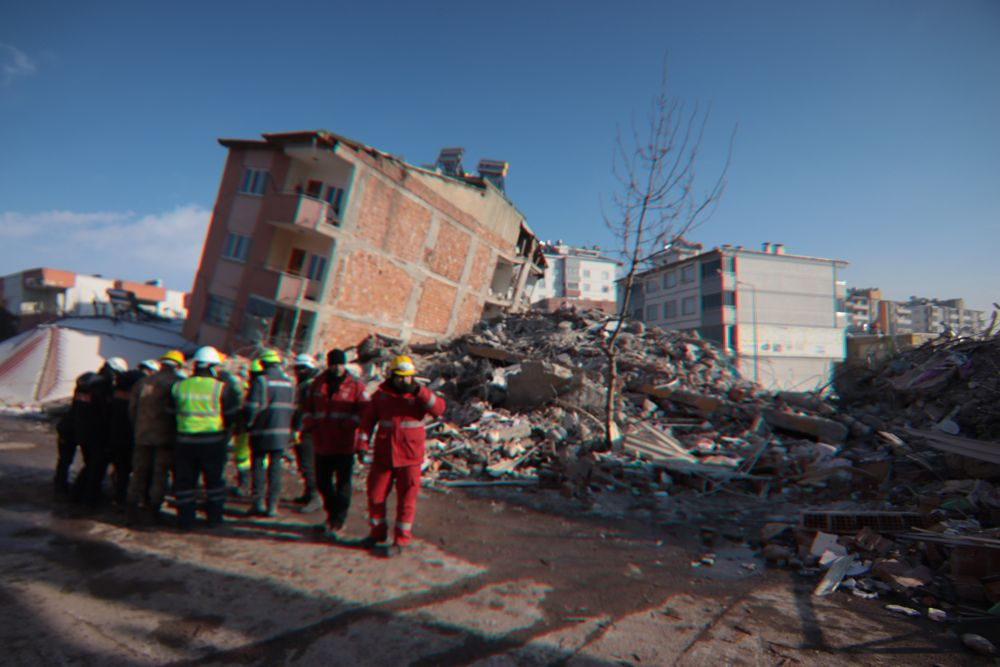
[
  {"x": 434, "y": 309},
  {"x": 374, "y": 287},
  {"x": 340, "y": 332},
  {"x": 447, "y": 258},
  {"x": 482, "y": 270},
  {"x": 408, "y": 228},
  {"x": 470, "y": 313}
]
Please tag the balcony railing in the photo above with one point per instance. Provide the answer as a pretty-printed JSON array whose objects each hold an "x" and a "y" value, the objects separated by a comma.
[
  {"x": 287, "y": 289},
  {"x": 298, "y": 210}
]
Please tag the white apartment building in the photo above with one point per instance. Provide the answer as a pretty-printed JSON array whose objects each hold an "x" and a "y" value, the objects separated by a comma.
[
  {"x": 778, "y": 314},
  {"x": 580, "y": 275},
  {"x": 43, "y": 294},
  {"x": 940, "y": 315}
]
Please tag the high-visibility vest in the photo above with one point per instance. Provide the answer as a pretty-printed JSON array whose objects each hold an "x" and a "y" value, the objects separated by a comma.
[{"x": 199, "y": 405}]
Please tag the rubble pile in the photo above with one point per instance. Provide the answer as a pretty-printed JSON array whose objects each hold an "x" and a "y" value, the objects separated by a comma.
[{"x": 949, "y": 385}]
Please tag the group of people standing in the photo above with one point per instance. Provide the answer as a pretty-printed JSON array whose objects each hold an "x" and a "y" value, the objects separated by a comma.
[{"x": 154, "y": 421}]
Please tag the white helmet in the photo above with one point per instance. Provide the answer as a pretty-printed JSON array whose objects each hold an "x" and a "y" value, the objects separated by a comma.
[
  {"x": 117, "y": 364},
  {"x": 305, "y": 360},
  {"x": 207, "y": 356},
  {"x": 150, "y": 364}
]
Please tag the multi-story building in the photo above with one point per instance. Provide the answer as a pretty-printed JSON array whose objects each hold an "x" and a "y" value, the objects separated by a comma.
[
  {"x": 41, "y": 295},
  {"x": 576, "y": 276},
  {"x": 861, "y": 306},
  {"x": 893, "y": 318},
  {"x": 776, "y": 313},
  {"x": 944, "y": 315},
  {"x": 317, "y": 241}
]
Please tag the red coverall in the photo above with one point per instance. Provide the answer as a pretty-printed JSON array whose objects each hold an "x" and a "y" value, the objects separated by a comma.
[{"x": 398, "y": 454}]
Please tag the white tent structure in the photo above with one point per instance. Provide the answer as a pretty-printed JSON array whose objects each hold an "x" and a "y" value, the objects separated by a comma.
[{"x": 41, "y": 365}]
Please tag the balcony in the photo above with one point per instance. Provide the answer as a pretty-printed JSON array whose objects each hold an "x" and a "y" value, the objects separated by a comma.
[
  {"x": 287, "y": 289},
  {"x": 301, "y": 213}
]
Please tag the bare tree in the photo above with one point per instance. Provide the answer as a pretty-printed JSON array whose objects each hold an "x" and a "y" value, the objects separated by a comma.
[{"x": 655, "y": 203}]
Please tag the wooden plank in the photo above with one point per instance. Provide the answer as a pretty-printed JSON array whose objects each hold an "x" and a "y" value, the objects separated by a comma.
[{"x": 981, "y": 450}]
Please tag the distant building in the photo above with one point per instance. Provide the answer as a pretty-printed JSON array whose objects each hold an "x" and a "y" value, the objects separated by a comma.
[
  {"x": 893, "y": 318},
  {"x": 35, "y": 296},
  {"x": 945, "y": 315},
  {"x": 317, "y": 241},
  {"x": 777, "y": 313},
  {"x": 862, "y": 309},
  {"x": 576, "y": 276}
]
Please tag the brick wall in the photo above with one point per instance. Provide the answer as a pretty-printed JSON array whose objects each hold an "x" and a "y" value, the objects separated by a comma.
[
  {"x": 434, "y": 310},
  {"x": 341, "y": 332},
  {"x": 448, "y": 256},
  {"x": 469, "y": 313},
  {"x": 374, "y": 287}
]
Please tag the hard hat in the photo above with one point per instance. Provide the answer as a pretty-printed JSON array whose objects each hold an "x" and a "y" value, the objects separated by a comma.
[
  {"x": 256, "y": 366},
  {"x": 151, "y": 364},
  {"x": 207, "y": 356},
  {"x": 117, "y": 364},
  {"x": 270, "y": 357},
  {"x": 305, "y": 360},
  {"x": 402, "y": 365},
  {"x": 174, "y": 357}
]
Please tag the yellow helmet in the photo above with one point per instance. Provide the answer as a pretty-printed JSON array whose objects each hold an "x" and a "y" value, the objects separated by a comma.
[
  {"x": 173, "y": 356},
  {"x": 402, "y": 365},
  {"x": 270, "y": 356}
]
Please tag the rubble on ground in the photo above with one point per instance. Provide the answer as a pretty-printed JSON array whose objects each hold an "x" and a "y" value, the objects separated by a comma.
[{"x": 892, "y": 471}]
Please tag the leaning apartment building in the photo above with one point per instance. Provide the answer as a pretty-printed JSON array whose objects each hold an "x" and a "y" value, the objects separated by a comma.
[
  {"x": 317, "y": 241},
  {"x": 780, "y": 315}
]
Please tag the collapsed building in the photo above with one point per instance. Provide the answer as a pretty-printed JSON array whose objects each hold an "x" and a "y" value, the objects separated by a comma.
[{"x": 318, "y": 241}]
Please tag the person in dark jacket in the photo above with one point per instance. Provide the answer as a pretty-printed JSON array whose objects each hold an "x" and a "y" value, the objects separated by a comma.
[
  {"x": 332, "y": 411},
  {"x": 154, "y": 428},
  {"x": 305, "y": 372},
  {"x": 121, "y": 435},
  {"x": 268, "y": 413},
  {"x": 66, "y": 441},
  {"x": 205, "y": 412},
  {"x": 92, "y": 420}
]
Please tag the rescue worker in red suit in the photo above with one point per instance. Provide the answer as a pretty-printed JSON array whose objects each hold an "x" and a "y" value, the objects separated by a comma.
[
  {"x": 332, "y": 407},
  {"x": 395, "y": 415}
]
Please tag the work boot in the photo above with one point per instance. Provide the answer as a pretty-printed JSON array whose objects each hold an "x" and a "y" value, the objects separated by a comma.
[
  {"x": 393, "y": 550},
  {"x": 314, "y": 504},
  {"x": 257, "y": 510},
  {"x": 368, "y": 543}
]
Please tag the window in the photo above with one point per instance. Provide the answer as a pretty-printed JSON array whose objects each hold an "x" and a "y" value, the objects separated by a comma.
[
  {"x": 670, "y": 310},
  {"x": 237, "y": 247},
  {"x": 651, "y": 287},
  {"x": 711, "y": 269},
  {"x": 296, "y": 261},
  {"x": 334, "y": 197},
  {"x": 314, "y": 189},
  {"x": 730, "y": 265},
  {"x": 688, "y": 305},
  {"x": 652, "y": 312},
  {"x": 586, "y": 287},
  {"x": 573, "y": 286},
  {"x": 254, "y": 181},
  {"x": 586, "y": 273},
  {"x": 218, "y": 310},
  {"x": 605, "y": 275},
  {"x": 316, "y": 268},
  {"x": 637, "y": 314},
  {"x": 669, "y": 279},
  {"x": 718, "y": 299},
  {"x": 605, "y": 289},
  {"x": 687, "y": 273}
]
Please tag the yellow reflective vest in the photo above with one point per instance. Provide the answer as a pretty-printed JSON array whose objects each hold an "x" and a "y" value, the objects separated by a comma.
[{"x": 198, "y": 401}]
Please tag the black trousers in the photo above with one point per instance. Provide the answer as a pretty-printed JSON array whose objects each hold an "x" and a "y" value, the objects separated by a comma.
[
  {"x": 305, "y": 455},
  {"x": 121, "y": 457},
  {"x": 333, "y": 479},
  {"x": 207, "y": 460},
  {"x": 271, "y": 463},
  {"x": 67, "y": 452},
  {"x": 90, "y": 479}
]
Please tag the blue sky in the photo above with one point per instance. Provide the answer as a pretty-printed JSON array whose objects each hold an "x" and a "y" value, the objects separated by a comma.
[{"x": 869, "y": 130}]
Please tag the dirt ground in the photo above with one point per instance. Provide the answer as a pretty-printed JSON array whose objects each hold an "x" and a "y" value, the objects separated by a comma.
[{"x": 495, "y": 577}]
